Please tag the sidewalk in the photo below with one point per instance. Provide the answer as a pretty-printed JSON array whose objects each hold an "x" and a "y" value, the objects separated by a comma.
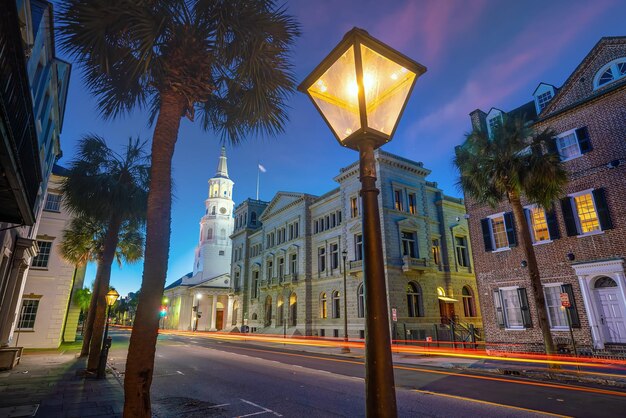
[{"x": 48, "y": 384}]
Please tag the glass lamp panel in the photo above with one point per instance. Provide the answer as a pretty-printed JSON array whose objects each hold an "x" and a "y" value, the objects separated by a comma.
[
  {"x": 387, "y": 86},
  {"x": 336, "y": 95}
]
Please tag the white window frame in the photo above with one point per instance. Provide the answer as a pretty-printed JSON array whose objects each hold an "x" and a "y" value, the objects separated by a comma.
[
  {"x": 55, "y": 204},
  {"x": 465, "y": 251},
  {"x": 529, "y": 220},
  {"x": 614, "y": 70},
  {"x": 497, "y": 114},
  {"x": 558, "y": 148},
  {"x": 491, "y": 235},
  {"x": 507, "y": 326},
  {"x": 414, "y": 241},
  {"x": 33, "y": 266},
  {"x": 19, "y": 318},
  {"x": 552, "y": 327},
  {"x": 577, "y": 216}
]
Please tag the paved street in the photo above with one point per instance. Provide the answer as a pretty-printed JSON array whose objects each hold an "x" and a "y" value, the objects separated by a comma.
[{"x": 198, "y": 376}]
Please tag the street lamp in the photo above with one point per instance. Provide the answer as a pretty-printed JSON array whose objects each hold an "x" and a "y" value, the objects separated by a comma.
[
  {"x": 345, "y": 348},
  {"x": 110, "y": 297},
  {"x": 361, "y": 89}
]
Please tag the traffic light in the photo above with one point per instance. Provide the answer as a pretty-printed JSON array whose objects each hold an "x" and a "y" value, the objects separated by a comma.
[{"x": 163, "y": 312}]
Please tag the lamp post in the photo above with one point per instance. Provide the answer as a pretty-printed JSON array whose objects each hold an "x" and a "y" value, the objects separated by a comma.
[
  {"x": 110, "y": 297},
  {"x": 361, "y": 89},
  {"x": 345, "y": 348}
]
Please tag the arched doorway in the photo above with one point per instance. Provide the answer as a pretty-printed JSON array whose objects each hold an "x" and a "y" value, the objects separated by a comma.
[
  {"x": 219, "y": 316},
  {"x": 293, "y": 310},
  {"x": 268, "y": 311},
  {"x": 612, "y": 316}
]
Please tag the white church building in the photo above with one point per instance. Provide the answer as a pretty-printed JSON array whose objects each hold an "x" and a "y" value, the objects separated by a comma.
[{"x": 202, "y": 300}]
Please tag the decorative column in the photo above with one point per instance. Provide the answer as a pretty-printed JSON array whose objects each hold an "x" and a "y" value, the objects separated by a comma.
[
  {"x": 229, "y": 312},
  {"x": 213, "y": 313},
  {"x": 24, "y": 251}
]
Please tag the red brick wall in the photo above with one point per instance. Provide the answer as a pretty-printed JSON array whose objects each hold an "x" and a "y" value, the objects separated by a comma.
[{"x": 605, "y": 119}]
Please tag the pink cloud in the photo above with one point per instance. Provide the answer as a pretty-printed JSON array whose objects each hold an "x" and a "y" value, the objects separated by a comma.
[
  {"x": 431, "y": 24},
  {"x": 520, "y": 62}
]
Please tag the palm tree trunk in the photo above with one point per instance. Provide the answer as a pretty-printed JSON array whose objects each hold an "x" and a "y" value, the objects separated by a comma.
[
  {"x": 141, "y": 351},
  {"x": 103, "y": 277},
  {"x": 533, "y": 272},
  {"x": 91, "y": 314}
]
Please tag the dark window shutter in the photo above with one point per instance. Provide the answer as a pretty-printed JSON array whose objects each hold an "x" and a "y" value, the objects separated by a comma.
[
  {"x": 510, "y": 229},
  {"x": 484, "y": 223},
  {"x": 573, "y": 311},
  {"x": 497, "y": 303},
  {"x": 553, "y": 225},
  {"x": 551, "y": 146},
  {"x": 582, "y": 134},
  {"x": 523, "y": 301},
  {"x": 603, "y": 209},
  {"x": 568, "y": 216}
]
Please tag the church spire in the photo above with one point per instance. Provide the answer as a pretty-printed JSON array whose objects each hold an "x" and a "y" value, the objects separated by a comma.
[{"x": 222, "y": 168}]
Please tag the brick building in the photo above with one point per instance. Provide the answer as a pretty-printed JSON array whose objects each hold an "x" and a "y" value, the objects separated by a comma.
[
  {"x": 580, "y": 244},
  {"x": 288, "y": 264}
]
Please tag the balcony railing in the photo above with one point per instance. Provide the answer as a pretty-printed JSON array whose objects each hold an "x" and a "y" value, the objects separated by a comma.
[
  {"x": 19, "y": 149},
  {"x": 409, "y": 263}
]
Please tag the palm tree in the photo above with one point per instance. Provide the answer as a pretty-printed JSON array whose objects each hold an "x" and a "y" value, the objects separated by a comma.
[
  {"x": 82, "y": 243},
  {"x": 82, "y": 298},
  {"x": 509, "y": 164},
  {"x": 112, "y": 190},
  {"x": 226, "y": 59}
]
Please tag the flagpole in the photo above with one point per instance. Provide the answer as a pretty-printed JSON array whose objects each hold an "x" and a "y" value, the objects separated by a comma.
[{"x": 258, "y": 174}]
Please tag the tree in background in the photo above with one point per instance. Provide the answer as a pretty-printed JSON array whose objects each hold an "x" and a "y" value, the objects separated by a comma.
[
  {"x": 510, "y": 164},
  {"x": 225, "y": 59},
  {"x": 82, "y": 299},
  {"x": 82, "y": 242},
  {"x": 111, "y": 190}
]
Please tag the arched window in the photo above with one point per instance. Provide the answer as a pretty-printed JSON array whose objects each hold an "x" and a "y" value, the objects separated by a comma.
[
  {"x": 280, "y": 311},
  {"x": 360, "y": 294},
  {"x": 254, "y": 316},
  {"x": 602, "y": 282},
  {"x": 469, "y": 307},
  {"x": 323, "y": 306},
  {"x": 293, "y": 309},
  {"x": 611, "y": 72},
  {"x": 336, "y": 304},
  {"x": 414, "y": 300},
  {"x": 209, "y": 233},
  {"x": 253, "y": 218},
  {"x": 235, "y": 312},
  {"x": 268, "y": 311},
  {"x": 213, "y": 210}
]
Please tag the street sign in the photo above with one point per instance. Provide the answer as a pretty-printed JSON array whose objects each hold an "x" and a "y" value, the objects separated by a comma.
[
  {"x": 565, "y": 300},
  {"x": 394, "y": 314}
]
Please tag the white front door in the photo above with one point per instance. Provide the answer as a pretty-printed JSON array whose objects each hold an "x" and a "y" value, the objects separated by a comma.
[{"x": 612, "y": 318}]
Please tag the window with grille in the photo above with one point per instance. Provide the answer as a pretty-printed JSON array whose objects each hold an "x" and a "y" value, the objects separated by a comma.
[
  {"x": 53, "y": 202},
  {"x": 408, "y": 244},
  {"x": 499, "y": 232},
  {"x": 42, "y": 258},
  {"x": 587, "y": 215},
  {"x": 28, "y": 313},
  {"x": 556, "y": 315},
  {"x": 461, "y": 251},
  {"x": 539, "y": 224}
]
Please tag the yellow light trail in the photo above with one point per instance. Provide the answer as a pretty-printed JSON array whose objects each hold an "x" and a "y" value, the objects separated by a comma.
[{"x": 398, "y": 367}]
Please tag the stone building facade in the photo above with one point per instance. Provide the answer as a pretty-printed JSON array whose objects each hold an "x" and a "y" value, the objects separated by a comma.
[
  {"x": 288, "y": 268},
  {"x": 34, "y": 92},
  {"x": 48, "y": 314},
  {"x": 581, "y": 243}
]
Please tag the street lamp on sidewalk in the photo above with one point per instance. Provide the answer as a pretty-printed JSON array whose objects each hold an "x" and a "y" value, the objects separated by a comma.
[
  {"x": 345, "y": 349},
  {"x": 110, "y": 297},
  {"x": 361, "y": 89}
]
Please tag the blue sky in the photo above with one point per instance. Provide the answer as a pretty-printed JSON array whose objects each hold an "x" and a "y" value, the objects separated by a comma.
[{"x": 479, "y": 54}]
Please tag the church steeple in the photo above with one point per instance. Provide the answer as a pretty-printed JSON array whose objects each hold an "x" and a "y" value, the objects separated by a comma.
[
  {"x": 222, "y": 168},
  {"x": 214, "y": 246}
]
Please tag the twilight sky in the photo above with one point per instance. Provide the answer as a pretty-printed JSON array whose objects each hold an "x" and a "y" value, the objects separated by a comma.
[{"x": 479, "y": 54}]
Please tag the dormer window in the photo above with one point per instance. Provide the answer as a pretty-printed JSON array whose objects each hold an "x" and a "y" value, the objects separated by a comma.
[
  {"x": 543, "y": 99},
  {"x": 542, "y": 95},
  {"x": 611, "y": 72},
  {"x": 494, "y": 120}
]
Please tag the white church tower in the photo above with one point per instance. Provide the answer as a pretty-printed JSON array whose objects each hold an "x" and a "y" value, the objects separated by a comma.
[{"x": 214, "y": 247}]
